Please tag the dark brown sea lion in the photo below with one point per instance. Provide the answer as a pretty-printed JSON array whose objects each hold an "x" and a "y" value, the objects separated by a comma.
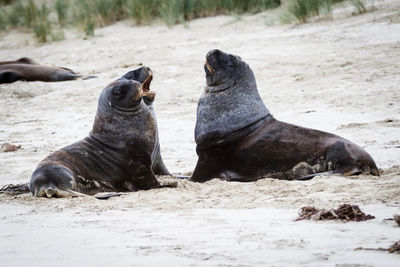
[
  {"x": 26, "y": 69},
  {"x": 238, "y": 139},
  {"x": 121, "y": 153}
]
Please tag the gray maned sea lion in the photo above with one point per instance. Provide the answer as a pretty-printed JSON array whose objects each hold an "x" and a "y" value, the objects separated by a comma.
[
  {"x": 238, "y": 139},
  {"x": 26, "y": 69},
  {"x": 121, "y": 153}
]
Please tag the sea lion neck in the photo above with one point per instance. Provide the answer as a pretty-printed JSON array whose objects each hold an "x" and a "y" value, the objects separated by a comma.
[
  {"x": 219, "y": 88},
  {"x": 118, "y": 128},
  {"x": 223, "y": 113}
]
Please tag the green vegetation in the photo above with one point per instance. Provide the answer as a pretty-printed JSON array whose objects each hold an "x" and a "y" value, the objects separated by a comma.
[
  {"x": 28, "y": 16},
  {"x": 41, "y": 23},
  {"x": 359, "y": 5},
  {"x": 142, "y": 11},
  {"x": 62, "y": 8},
  {"x": 90, "y": 14},
  {"x": 6, "y": 2},
  {"x": 303, "y": 9}
]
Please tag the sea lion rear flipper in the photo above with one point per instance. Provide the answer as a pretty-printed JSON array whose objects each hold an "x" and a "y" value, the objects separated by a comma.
[
  {"x": 182, "y": 177},
  {"x": 67, "y": 69},
  {"x": 77, "y": 76},
  {"x": 107, "y": 195},
  {"x": 159, "y": 167},
  {"x": 87, "y": 77},
  {"x": 309, "y": 177}
]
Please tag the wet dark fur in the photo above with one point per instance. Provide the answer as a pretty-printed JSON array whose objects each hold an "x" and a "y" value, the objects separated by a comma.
[
  {"x": 271, "y": 148},
  {"x": 121, "y": 152}
]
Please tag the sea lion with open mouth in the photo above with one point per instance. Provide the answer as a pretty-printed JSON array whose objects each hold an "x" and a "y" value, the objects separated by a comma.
[
  {"x": 121, "y": 153},
  {"x": 238, "y": 139}
]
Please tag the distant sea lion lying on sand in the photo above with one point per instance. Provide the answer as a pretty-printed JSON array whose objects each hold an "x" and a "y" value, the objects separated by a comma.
[
  {"x": 26, "y": 69},
  {"x": 238, "y": 139},
  {"x": 121, "y": 153}
]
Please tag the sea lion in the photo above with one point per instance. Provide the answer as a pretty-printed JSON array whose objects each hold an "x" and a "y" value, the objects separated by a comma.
[
  {"x": 238, "y": 139},
  {"x": 26, "y": 69},
  {"x": 121, "y": 153}
]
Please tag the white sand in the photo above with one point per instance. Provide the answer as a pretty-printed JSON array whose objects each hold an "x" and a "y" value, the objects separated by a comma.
[{"x": 341, "y": 76}]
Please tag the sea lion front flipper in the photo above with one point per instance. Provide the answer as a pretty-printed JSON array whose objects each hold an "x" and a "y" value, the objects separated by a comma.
[
  {"x": 171, "y": 183},
  {"x": 52, "y": 191},
  {"x": 159, "y": 167},
  {"x": 55, "y": 192},
  {"x": 206, "y": 169},
  {"x": 27, "y": 60}
]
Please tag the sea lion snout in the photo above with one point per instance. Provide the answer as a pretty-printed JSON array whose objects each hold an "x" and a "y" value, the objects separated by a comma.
[
  {"x": 140, "y": 74},
  {"x": 217, "y": 58},
  {"x": 212, "y": 59},
  {"x": 144, "y": 76},
  {"x": 221, "y": 68},
  {"x": 213, "y": 52}
]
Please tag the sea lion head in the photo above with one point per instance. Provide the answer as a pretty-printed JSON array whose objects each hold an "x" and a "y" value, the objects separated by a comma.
[
  {"x": 126, "y": 93},
  {"x": 223, "y": 70},
  {"x": 123, "y": 114},
  {"x": 123, "y": 95},
  {"x": 230, "y": 105}
]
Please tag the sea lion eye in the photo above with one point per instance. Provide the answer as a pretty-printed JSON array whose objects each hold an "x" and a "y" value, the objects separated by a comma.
[{"x": 117, "y": 93}]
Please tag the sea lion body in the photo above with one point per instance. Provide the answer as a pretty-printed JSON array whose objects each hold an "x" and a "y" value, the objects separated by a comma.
[
  {"x": 121, "y": 152},
  {"x": 246, "y": 145},
  {"x": 27, "y": 70}
]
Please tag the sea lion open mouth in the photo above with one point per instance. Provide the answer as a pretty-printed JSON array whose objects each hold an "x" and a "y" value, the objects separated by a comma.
[{"x": 146, "y": 86}]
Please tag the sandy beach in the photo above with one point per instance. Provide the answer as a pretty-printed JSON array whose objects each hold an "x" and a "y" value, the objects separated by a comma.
[{"x": 340, "y": 75}]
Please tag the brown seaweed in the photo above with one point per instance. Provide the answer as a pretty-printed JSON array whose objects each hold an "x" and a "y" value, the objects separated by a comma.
[{"x": 345, "y": 212}]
